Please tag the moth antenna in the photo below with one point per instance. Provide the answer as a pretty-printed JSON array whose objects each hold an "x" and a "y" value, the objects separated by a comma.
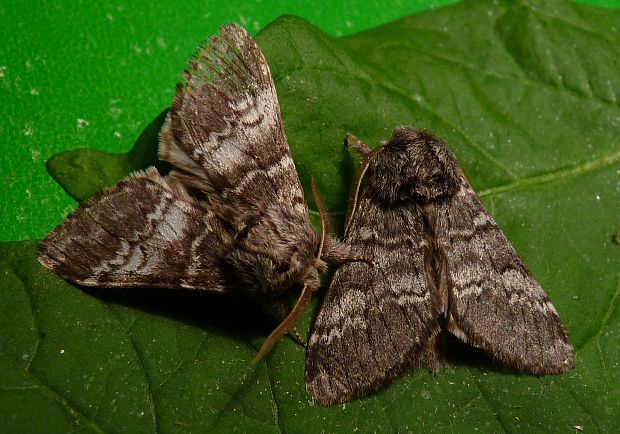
[
  {"x": 286, "y": 325},
  {"x": 291, "y": 320},
  {"x": 326, "y": 222},
  {"x": 364, "y": 150}
]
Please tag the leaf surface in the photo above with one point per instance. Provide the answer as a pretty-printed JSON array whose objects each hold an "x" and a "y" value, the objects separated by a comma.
[{"x": 526, "y": 95}]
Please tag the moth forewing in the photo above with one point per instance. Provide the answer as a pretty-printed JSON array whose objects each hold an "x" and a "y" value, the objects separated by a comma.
[{"x": 494, "y": 299}]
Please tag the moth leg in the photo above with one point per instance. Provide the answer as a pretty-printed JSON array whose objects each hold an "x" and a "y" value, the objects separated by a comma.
[
  {"x": 286, "y": 325},
  {"x": 337, "y": 252},
  {"x": 333, "y": 250},
  {"x": 278, "y": 310},
  {"x": 297, "y": 336},
  {"x": 354, "y": 143}
]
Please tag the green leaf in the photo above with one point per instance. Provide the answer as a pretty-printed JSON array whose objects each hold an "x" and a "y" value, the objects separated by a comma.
[
  {"x": 83, "y": 172},
  {"x": 526, "y": 95}
]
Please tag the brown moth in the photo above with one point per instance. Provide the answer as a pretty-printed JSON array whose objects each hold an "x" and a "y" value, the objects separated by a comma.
[
  {"x": 440, "y": 263},
  {"x": 232, "y": 201}
]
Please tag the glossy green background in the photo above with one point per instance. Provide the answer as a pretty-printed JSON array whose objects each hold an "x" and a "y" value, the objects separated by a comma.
[{"x": 83, "y": 74}]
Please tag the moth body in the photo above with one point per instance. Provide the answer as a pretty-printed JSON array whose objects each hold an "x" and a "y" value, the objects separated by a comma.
[
  {"x": 231, "y": 205},
  {"x": 441, "y": 263}
]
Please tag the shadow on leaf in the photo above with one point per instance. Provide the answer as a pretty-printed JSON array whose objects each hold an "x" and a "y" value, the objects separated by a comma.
[
  {"x": 226, "y": 314},
  {"x": 463, "y": 354}
]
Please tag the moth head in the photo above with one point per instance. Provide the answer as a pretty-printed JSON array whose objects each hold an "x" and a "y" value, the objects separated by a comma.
[
  {"x": 412, "y": 165},
  {"x": 303, "y": 270}
]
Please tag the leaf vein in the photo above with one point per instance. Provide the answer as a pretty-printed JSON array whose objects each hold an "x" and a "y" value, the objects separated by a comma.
[
  {"x": 408, "y": 100},
  {"x": 553, "y": 175},
  {"x": 613, "y": 305},
  {"x": 35, "y": 323},
  {"x": 581, "y": 407},
  {"x": 487, "y": 400},
  {"x": 139, "y": 357},
  {"x": 275, "y": 409},
  {"x": 181, "y": 365},
  {"x": 65, "y": 403},
  {"x": 519, "y": 79}
]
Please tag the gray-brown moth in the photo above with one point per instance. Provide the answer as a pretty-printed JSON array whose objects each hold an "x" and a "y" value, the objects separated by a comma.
[
  {"x": 440, "y": 263},
  {"x": 232, "y": 203}
]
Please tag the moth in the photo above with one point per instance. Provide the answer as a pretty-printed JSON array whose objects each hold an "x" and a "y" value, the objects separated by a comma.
[
  {"x": 440, "y": 263},
  {"x": 232, "y": 206}
]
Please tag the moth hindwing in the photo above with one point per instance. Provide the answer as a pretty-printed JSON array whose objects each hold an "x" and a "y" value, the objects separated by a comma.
[
  {"x": 232, "y": 200},
  {"x": 441, "y": 263}
]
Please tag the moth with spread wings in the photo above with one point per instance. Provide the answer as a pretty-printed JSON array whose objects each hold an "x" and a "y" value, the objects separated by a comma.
[
  {"x": 232, "y": 201},
  {"x": 441, "y": 262}
]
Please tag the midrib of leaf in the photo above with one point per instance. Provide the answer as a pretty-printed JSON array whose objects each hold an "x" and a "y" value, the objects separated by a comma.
[{"x": 554, "y": 175}]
